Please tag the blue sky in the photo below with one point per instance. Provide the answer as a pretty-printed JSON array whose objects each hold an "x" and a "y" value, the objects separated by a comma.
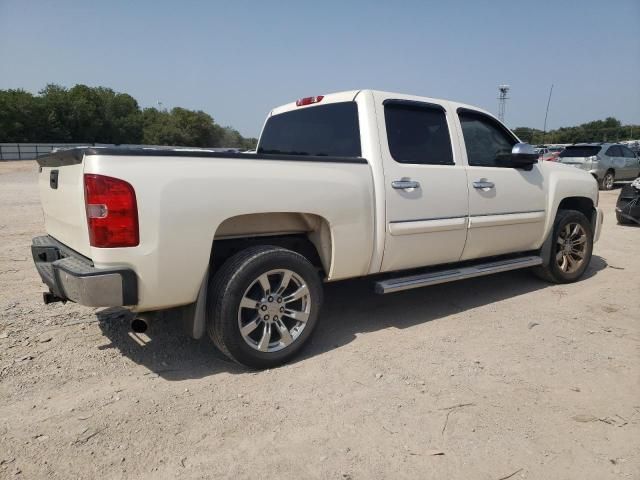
[{"x": 238, "y": 59}]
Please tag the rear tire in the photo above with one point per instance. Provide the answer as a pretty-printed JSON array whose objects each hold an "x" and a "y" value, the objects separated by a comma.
[
  {"x": 571, "y": 248},
  {"x": 263, "y": 306},
  {"x": 608, "y": 180}
]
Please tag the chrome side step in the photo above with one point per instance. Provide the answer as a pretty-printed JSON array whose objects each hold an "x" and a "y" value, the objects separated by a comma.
[{"x": 443, "y": 276}]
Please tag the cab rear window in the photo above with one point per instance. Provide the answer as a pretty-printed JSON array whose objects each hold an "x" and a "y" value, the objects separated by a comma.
[
  {"x": 580, "y": 151},
  {"x": 324, "y": 130}
]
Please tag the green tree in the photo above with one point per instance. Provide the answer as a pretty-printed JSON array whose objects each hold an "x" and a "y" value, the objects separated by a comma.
[
  {"x": 180, "y": 127},
  {"x": 20, "y": 116},
  {"x": 232, "y": 138},
  {"x": 608, "y": 130},
  {"x": 84, "y": 114}
]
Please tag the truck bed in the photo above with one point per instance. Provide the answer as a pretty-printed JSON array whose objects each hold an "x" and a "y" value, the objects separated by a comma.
[{"x": 184, "y": 195}]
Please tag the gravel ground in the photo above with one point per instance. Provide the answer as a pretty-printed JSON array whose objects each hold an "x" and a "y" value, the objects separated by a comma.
[{"x": 491, "y": 378}]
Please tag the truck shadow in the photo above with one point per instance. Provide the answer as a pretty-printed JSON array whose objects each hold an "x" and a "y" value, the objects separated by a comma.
[{"x": 351, "y": 308}]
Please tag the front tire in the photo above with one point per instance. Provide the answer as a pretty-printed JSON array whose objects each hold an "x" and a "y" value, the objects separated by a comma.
[
  {"x": 571, "y": 248},
  {"x": 263, "y": 306}
]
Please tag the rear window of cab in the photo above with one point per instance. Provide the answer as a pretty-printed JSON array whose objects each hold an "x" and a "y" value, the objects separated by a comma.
[{"x": 324, "y": 130}]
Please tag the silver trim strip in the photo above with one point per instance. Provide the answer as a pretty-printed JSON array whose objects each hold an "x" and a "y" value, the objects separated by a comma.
[
  {"x": 443, "y": 224},
  {"x": 427, "y": 226},
  {"x": 444, "y": 276},
  {"x": 496, "y": 220},
  {"x": 509, "y": 213}
]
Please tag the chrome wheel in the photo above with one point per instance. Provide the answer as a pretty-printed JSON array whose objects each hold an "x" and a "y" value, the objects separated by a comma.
[
  {"x": 571, "y": 247},
  {"x": 274, "y": 310}
]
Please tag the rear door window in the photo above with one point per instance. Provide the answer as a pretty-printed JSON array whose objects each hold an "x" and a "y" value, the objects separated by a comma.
[
  {"x": 324, "y": 130},
  {"x": 417, "y": 133},
  {"x": 627, "y": 152}
]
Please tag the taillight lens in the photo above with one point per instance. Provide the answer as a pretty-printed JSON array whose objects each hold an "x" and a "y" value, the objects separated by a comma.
[
  {"x": 309, "y": 100},
  {"x": 112, "y": 212}
]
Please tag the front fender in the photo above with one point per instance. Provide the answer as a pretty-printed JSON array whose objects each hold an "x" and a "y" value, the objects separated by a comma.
[{"x": 565, "y": 182}]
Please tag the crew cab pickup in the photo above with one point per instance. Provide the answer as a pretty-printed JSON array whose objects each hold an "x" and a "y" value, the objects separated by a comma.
[{"x": 408, "y": 190}]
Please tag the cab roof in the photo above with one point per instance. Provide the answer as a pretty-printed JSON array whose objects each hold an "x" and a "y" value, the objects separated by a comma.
[{"x": 350, "y": 95}]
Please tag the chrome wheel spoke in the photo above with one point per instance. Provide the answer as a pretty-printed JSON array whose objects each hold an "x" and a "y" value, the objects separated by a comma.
[
  {"x": 564, "y": 264},
  {"x": 250, "y": 327},
  {"x": 559, "y": 256},
  {"x": 580, "y": 240},
  {"x": 247, "y": 302},
  {"x": 264, "y": 283},
  {"x": 263, "y": 346},
  {"x": 296, "y": 315},
  {"x": 578, "y": 253},
  {"x": 297, "y": 295},
  {"x": 285, "y": 335},
  {"x": 284, "y": 283},
  {"x": 575, "y": 231}
]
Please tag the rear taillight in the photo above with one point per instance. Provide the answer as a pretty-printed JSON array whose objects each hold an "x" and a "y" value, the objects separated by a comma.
[
  {"x": 309, "y": 100},
  {"x": 112, "y": 212}
]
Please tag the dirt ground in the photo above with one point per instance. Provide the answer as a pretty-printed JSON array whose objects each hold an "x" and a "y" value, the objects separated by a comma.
[{"x": 491, "y": 378}]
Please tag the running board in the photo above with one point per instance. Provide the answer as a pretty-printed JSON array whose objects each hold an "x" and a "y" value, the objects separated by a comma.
[{"x": 443, "y": 276}]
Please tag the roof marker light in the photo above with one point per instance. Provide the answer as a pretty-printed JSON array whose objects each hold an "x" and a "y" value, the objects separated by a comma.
[{"x": 309, "y": 100}]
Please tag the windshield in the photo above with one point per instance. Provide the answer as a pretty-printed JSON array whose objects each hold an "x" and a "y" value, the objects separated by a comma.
[
  {"x": 325, "y": 130},
  {"x": 580, "y": 151}
]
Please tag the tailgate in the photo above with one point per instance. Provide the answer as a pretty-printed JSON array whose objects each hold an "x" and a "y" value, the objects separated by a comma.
[
  {"x": 581, "y": 156},
  {"x": 584, "y": 163},
  {"x": 61, "y": 187}
]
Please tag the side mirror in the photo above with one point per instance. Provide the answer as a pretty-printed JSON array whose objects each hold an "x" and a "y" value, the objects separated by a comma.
[{"x": 523, "y": 155}]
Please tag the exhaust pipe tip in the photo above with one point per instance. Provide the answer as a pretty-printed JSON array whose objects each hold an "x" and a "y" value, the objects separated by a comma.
[{"x": 139, "y": 325}]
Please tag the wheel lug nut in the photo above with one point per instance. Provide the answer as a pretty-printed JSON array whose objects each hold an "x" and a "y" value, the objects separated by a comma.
[
  {"x": 266, "y": 317},
  {"x": 281, "y": 309},
  {"x": 275, "y": 318},
  {"x": 263, "y": 307},
  {"x": 279, "y": 300},
  {"x": 270, "y": 299}
]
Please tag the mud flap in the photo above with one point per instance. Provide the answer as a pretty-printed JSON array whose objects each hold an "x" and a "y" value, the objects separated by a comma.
[
  {"x": 545, "y": 250},
  {"x": 194, "y": 316}
]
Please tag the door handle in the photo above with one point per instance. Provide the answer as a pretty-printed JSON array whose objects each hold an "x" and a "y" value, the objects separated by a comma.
[
  {"x": 405, "y": 184},
  {"x": 483, "y": 184}
]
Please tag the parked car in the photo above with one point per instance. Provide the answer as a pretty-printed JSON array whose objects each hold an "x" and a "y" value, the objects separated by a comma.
[
  {"x": 352, "y": 184},
  {"x": 555, "y": 151},
  {"x": 544, "y": 154},
  {"x": 628, "y": 205},
  {"x": 607, "y": 162}
]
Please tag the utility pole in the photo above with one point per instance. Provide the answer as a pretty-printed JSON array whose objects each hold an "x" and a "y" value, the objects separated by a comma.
[
  {"x": 546, "y": 113},
  {"x": 503, "y": 91}
]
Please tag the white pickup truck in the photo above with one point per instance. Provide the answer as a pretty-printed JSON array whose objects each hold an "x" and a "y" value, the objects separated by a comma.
[{"x": 411, "y": 191}]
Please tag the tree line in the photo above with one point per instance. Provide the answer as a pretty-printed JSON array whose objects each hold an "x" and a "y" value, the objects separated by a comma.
[
  {"x": 608, "y": 130},
  {"x": 83, "y": 114}
]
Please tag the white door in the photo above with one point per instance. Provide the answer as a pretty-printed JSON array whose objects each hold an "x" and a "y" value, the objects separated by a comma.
[
  {"x": 425, "y": 184},
  {"x": 506, "y": 204}
]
